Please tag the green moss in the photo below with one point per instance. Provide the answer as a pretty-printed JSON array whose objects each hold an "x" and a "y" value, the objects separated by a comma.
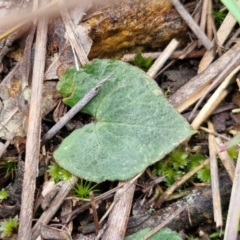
[{"x": 180, "y": 162}]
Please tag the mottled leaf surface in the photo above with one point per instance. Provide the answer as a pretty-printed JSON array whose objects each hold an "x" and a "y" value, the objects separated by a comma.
[
  {"x": 134, "y": 126},
  {"x": 163, "y": 234}
]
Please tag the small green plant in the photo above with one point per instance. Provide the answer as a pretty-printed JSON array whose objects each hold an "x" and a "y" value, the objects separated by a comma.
[
  {"x": 7, "y": 226},
  {"x": 57, "y": 173},
  {"x": 83, "y": 189},
  {"x": 233, "y": 7},
  {"x": 218, "y": 16},
  {"x": 178, "y": 163},
  {"x": 10, "y": 167},
  {"x": 220, "y": 234},
  {"x": 3, "y": 194},
  {"x": 141, "y": 62},
  {"x": 233, "y": 152}
]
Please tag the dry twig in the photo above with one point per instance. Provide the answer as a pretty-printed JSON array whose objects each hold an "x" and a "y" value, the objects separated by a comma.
[
  {"x": 217, "y": 211},
  {"x": 163, "y": 58},
  {"x": 232, "y": 224},
  {"x": 33, "y": 134},
  {"x": 192, "y": 24},
  {"x": 215, "y": 99}
]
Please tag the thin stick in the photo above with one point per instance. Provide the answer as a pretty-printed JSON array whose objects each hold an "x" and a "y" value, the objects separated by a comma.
[
  {"x": 72, "y": 35},
  {"x": 215, "y": 99},
  {"x": 74, "y": 110},
  {"x": 214, "y": 133},
  {"x": 123, "y": 190},
  {"x": 217, "y": 211},
  {"x": 192, "y": 24},
  {"x": 54, "y": 206},
  {"x": 119, "y": 216},
  {"x": 163, "y": 58},
  {"x": 222, "y": 34},
  {"x": 231, "y": 230},
  {"x": 179, "y": 183},
  {"x": 33, "y": 134},
  {"x": 226, "y": 159},
  {"x": 154, "y": 55},
  {"x": 209, "y": 20},
  {"x": 216, "y": 82},
  {"x": 203, "y": 17},
  {"x": 199, "y": 81}
]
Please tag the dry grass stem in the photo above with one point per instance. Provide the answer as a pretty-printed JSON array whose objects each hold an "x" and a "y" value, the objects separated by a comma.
[
  {"x": 46, "y": 216},
  {"x": 199, "y": 81},
  {"x": 163, "y": 58},
  {"x": 120, "y": 211},
  {"x": 215, "y": 99},
  {"x": 222, "y": 34},
  {"x": 230, "y": 66},
  {"x": 231, "y": 230},
  {"x": 192, "y": 25},
  {"x": 72, "y": 34},
  {"x": 225, "y": 159},
  {"x": 217, "y": 211},
  {"x": 33, "y": 134},
  {"x": 203, "y": 20},
  {"x": 209, "y": 20},
  {"x": 154, "y": 55}
]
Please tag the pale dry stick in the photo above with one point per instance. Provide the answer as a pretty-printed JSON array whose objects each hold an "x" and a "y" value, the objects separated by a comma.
[
  {"x": 199, "y": 81},
  {"x": 163, "y": 58},
  {"x": 119, "y": 216},
  {"x": 222, "y": 34},
  {"x": 192, "y": 99},
  {"x": 217, "y": 211},
  {"x": 188, "y": 49},
  {"x": 203, "y": 18},
  {"x": 46, "y": 216},
  {"x": 72, "y": 34},
  {"x": 231, "y": 230},
  {"x": 156, "y": 229},
  {"x": 197, "y": 12},
  {"x": 185, "y": 52},
  {"x": 215, "y": 99},
  {"x": 26, "y": 60},
  {"x": 177, "y": 184},
  {"x": 33, "y": 134},
  {"x": 131, "y": 56},
  {"x": 209, "y": 20},
  {"x": 225, "y": 159},
  {"x": 192, "y": 24},
  {"x": 207, "y": 130},
  {"x": 26, "y": 64},
  {"x": 73, "y": 111},
  {"x": 123, "y": 189},
  {"x": 231, "y": 65}
]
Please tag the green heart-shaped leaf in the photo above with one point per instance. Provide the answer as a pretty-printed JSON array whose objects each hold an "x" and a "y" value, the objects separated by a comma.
[
  {"x": 134, "y": 124},
  {"x": 163, "y": 234}
]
